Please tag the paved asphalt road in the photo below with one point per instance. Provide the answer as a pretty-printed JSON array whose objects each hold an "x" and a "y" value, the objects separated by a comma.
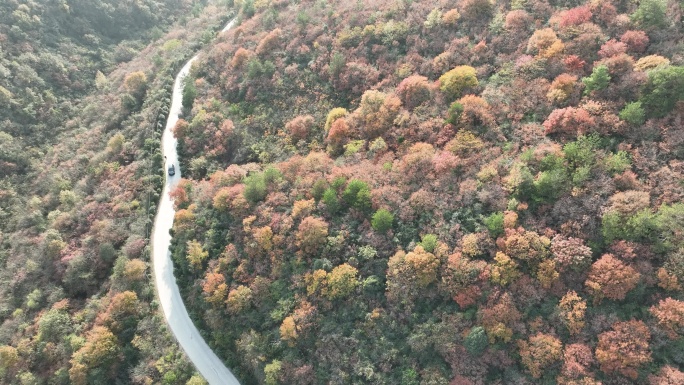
[{"x": 204, "y": 359}]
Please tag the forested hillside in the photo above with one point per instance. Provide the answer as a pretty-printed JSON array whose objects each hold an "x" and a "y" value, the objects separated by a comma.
[
  {"x": 438, "y": 192},
  {"x": 84, "y": 91}
]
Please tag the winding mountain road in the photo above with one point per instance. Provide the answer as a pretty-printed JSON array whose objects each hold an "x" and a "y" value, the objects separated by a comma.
[{"x": 189, "y": 338}]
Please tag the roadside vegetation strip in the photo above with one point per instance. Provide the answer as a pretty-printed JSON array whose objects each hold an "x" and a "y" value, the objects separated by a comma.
[{"x": 175, "y": 313}]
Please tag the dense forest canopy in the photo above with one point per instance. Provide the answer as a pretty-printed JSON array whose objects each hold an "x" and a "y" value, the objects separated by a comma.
[
  {"x": 438, "y": 192},
  {"x": 387, "y": 192},
  {"x": 84, "y": 91},
  {"x": 54, "y": 52}
]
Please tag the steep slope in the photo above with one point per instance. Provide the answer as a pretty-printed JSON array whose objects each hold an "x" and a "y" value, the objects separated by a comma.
[
  {"x": 77, "y": 305},
  {"x": 420, "y": 192},
  {"x": 168, "y": 294},
  {"x": 52, "y": 53}
]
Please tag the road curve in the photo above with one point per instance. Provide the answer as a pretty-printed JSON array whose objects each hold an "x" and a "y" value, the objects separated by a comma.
[{"x": 187, "y": 335}]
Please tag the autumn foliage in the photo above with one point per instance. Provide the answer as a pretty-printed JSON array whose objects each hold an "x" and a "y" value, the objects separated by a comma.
[
  {"x": 562, "y": 88},
  {"x": 570, "y": 252},
  {"x": 670, "y": 315},
  {"x": 624, "y": 349},
  {"x": 101, "y": 350},
  {"x": 545, "y": 44},
  {"x": 667, "y": 375},
  {"x": 215, "y": 288},
  {"x": 413, "y": 91},
  {"x": 636, "y": 41},
  {"x": 377, "y": 111},
  {"x": 569, "y": 121},
  {"x": 398, "y": 192},
  {"x": 485, "y": 185},
  {"x": 611, "y": 278},
  {"x": 300, "y": 127},
  {"x": 454, "y": 82},
  {"x": 498, "y": 318},
  {"x": 407, "y": 273},
  {"x": 342, "y": 281},
  {"x": 572, "y": 309},
  {"x": 576, "y": 16},
  {"x": 311, "y": 234},
  {"x": 578, "y": 360},
  {"x": 540, "y": 352}
]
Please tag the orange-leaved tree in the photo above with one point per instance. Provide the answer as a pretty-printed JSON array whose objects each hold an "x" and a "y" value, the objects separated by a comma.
[
  {"x": 624, "y": 349},
  {"x": 498, "y": 317},
  {"x": 572, "y": 309},
  {"x": 667, "y": 375},
  {"x": 101, "y": 350},
  {"x": 611, "y": 278},
  {"x": 577, "y": 361},
  {"x": 670, "y": 315},
  {"x": 311, "y": 235},
  {"x": 215, "y": 288},
  {"x": 408, "y": 273},
  {"x": 545, "y": 44},
  {"x": 413, "y": 91},
  {"x": 539, "y": 352},
  {"x": 377, "y": 111}
]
